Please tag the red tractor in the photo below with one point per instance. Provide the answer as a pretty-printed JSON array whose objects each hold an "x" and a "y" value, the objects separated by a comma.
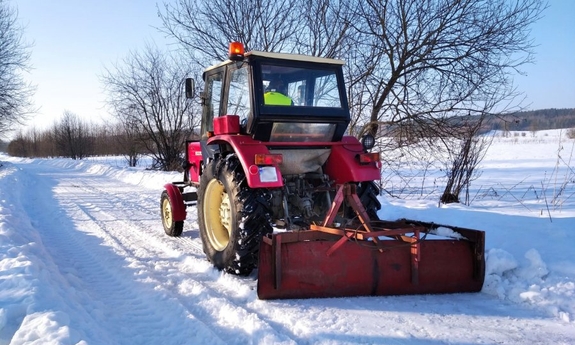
[{"x": 281, "y": 188}]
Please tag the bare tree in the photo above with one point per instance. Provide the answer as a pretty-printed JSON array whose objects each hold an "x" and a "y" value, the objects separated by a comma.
[
  {"x": 4, "y": 146},
  {"x": 428, "y": 71},
  {"x": 72, "y": 136},
  {"x": 15, "y": 92},
  {"x": 19, "y": 146},
  {"x": 24, "y": 144},
  {"x": 128, "y": 134},
  {"x": 425, "y": 61},
  {"x": 466, "y": 154},
  {"x": 44, "y": 144},
  {"x": 324, "y": 28},
  {"x": 205, "y": 28},
  {"x": 147, "y": 91}
]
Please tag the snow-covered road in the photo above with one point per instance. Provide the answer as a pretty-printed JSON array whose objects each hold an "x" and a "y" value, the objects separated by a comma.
[{"x": 84, "y": 259}]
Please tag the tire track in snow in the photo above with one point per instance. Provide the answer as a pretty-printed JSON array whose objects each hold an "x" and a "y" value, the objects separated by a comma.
[
  {"x": 99, "y": 279},
  {"x": 224, "y": 286},
  {"x": 199, "y": 288}
]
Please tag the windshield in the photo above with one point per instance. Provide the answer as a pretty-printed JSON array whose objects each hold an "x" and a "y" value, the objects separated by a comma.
[{"x": 298, "y": 86}]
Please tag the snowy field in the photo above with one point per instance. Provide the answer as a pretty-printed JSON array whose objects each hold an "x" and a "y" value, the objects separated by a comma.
[{"x": 84, "y": 260}]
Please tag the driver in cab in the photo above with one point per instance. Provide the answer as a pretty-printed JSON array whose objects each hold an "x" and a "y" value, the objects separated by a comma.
[{"x": 276, "y": 93}]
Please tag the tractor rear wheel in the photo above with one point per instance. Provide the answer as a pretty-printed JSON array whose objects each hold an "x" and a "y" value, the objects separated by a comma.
[
  {"x": 367, "y": 192},
  {"x": 171, "y": 227},
  {"x": 232, "y": 217}
]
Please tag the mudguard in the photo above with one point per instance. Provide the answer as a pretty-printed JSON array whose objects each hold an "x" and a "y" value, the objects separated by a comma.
[
  {"x": 176, "y": 201},
  {"x": 246, "y": 148},
  {"x": 343, "y": 167}
]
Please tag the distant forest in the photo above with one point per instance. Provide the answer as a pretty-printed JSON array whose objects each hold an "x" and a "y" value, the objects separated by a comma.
[{"x": 534, "y": 120}]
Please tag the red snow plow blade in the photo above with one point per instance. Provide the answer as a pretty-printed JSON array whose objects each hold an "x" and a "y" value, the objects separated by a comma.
[{"x": 370, "y": 258}]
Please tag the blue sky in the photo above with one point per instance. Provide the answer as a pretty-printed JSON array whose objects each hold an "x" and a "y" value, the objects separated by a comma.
[
  {"x": 75, "y": 39},
  {"x": 550, "y": 81}
]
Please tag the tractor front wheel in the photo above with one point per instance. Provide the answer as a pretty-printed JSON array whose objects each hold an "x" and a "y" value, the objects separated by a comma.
[
  {"x": 232, "y": 217},
  {"x": 171, "y": 227}
]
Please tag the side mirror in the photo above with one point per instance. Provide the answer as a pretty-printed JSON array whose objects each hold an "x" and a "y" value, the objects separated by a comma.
[{"x": 189, "y": 88}]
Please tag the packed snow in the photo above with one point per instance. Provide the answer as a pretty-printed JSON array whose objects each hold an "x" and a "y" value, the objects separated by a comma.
[{"x": 84, "y": 260}]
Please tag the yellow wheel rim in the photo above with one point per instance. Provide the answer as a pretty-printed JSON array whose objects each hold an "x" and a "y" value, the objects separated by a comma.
[
  {"x": 217, "y": 215},
  {"x": 167, "y": 213}
]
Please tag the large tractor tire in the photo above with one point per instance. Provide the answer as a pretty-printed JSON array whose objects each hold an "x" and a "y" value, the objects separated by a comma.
[
  {"x": 171, "y": 227},
  {"x": 232, "y": 217}
]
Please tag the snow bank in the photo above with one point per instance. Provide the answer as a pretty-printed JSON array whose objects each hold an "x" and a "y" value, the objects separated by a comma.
[
  {"x": 447, "y": 232},
  {"x": 516, "y": 245},
  {"x": 529, "y": 283},
  {"x": 28, "y": 285},
  {"x": 137, "y": 176}
]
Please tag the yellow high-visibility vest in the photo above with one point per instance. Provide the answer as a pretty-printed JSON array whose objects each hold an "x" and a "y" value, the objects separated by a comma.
[{"x": 276, "y": 98}]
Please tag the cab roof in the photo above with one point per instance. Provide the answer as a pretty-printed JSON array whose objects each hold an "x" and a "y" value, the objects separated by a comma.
[
  {"x": 283, "y": 56},
  {"x": 297, "y": 57}
]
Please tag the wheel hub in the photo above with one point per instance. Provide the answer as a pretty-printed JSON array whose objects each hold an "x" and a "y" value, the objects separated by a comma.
[
  {"x": 167, "y": 213},
  {"x": 217, "y": 215},
  {"x": 226, "y": 212}
]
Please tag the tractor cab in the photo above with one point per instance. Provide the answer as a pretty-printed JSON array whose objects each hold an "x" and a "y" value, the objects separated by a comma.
[
  {"x": 290, "y": 109},
  {"x": 277, "y": 97}
]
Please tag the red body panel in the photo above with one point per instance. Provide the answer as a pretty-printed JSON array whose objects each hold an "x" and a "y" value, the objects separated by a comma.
[
  {"x": 343, "y": 166},
  {"x": 227, "y": 124},
  {"x": 177, "y": 202},
  {"x": 246, "y": 148},
  {"x": 195, "y": 160}
]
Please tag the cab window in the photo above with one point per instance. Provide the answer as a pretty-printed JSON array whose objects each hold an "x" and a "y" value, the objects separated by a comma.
[
  {"x": 308, "y": 87},
  {"x": 239, "y": 94},
  {"x": 212, "y": 96}
]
